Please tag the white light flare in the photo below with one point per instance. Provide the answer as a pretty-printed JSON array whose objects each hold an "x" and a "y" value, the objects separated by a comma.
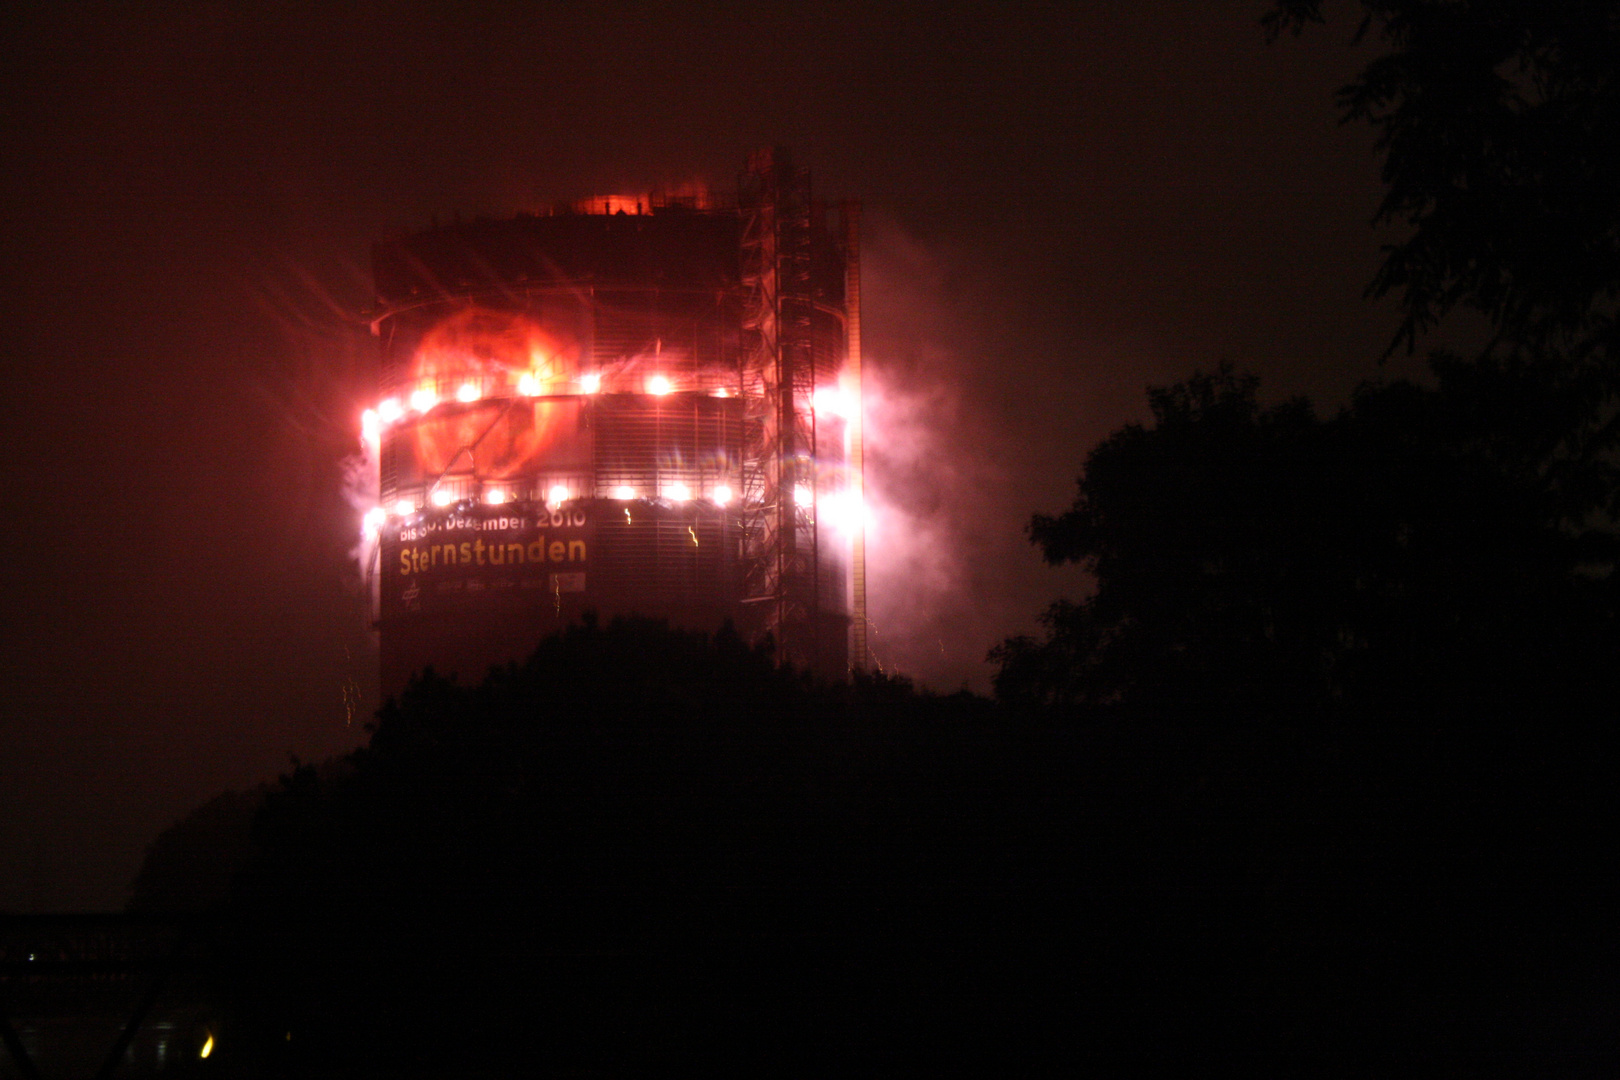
[
  {"x": 624, "y": 493},
  {"x": 404, "y": 508},
  {"x": 677, "y": 492},
  {"x": 467, "y": 392},
  {"x": 557, "y": 495},
  {"x": 804, "y": 496},
  {"x": 529, "y": 384},
  {"x": 722, "y": 495},
  {"x": 845, "y": 512},
  {"x": 831, "y": 400},
  {"x": 423, "y": 399},
  {"x": 659, "y": 385},
  {"x": 371, "y": 429},
  {"x": 442, "y": 497},
  {"x": 590, "y": 384},
  {"x": 495, "y": 496},
  {"x": 389, "y": 410},
  {"x": 374, "y": 519}
]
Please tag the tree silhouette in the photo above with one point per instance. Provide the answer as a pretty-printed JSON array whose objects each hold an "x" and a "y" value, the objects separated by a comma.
[
  {"x": 640, "y": 847},
  {"x": 1352, "y": 681},
  {"x": 1497, "y": 120},
  {"x": 1499, "y": 123},
  {"x": 642, "y": 850},
  {"x": 189, "y": 867},
  {"x": 1196, "y": 531},
  {"x": 1395, "y": 559}
]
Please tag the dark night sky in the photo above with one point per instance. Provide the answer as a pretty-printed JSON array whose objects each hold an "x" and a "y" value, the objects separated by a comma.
[{"x": 1065, "y": 204}]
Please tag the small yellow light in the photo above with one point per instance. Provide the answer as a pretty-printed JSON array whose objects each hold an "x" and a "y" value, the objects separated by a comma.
[{"x": 207, "y": 1047}]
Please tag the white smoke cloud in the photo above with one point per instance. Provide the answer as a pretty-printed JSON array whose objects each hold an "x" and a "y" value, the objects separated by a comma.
[
  {"x": 915, "y": 555},
  {"x": 937, "y": 473},
  {"x": 975, "y": 420},
  {"x": 362, "y": 483}
]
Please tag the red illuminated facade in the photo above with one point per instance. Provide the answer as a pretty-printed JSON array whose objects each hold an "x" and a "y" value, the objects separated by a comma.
[{"x": 635, "y": 406}]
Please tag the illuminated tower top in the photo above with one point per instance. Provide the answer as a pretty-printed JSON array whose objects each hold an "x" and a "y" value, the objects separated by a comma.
[{"x": 616, "y": 411}]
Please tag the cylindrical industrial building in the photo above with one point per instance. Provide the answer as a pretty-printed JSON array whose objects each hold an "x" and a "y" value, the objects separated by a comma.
[{"x": 631, "y": 406}]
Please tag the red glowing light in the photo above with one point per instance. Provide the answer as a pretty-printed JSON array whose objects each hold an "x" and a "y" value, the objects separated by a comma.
[
  {"x": 487, "y": 347},
  {"x": 613, "y": 204}
]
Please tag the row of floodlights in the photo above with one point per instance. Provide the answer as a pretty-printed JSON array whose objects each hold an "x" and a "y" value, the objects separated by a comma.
[
  {"x": 424, "y": 399},
  {"x": 722, "y": 496}
]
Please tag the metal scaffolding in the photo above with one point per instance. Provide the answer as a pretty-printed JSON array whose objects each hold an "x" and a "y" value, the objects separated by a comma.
[{"x": 781, "y": 487}]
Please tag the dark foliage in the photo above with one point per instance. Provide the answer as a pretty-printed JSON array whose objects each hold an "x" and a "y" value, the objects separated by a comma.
[
  {"x": 1354, "y": 681},
  {"x": 1499, "y": 125},
  {"x": 1499, "y": 121},
  {"x": 642, "y": 852},
  {"x": 1404, "y": 558},
  {"x": 189, "y": 867},
  {"x": 639, "y": 848}
]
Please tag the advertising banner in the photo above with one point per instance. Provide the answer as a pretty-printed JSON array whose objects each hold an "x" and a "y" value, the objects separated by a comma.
[{"x": 520, "y": 552}]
